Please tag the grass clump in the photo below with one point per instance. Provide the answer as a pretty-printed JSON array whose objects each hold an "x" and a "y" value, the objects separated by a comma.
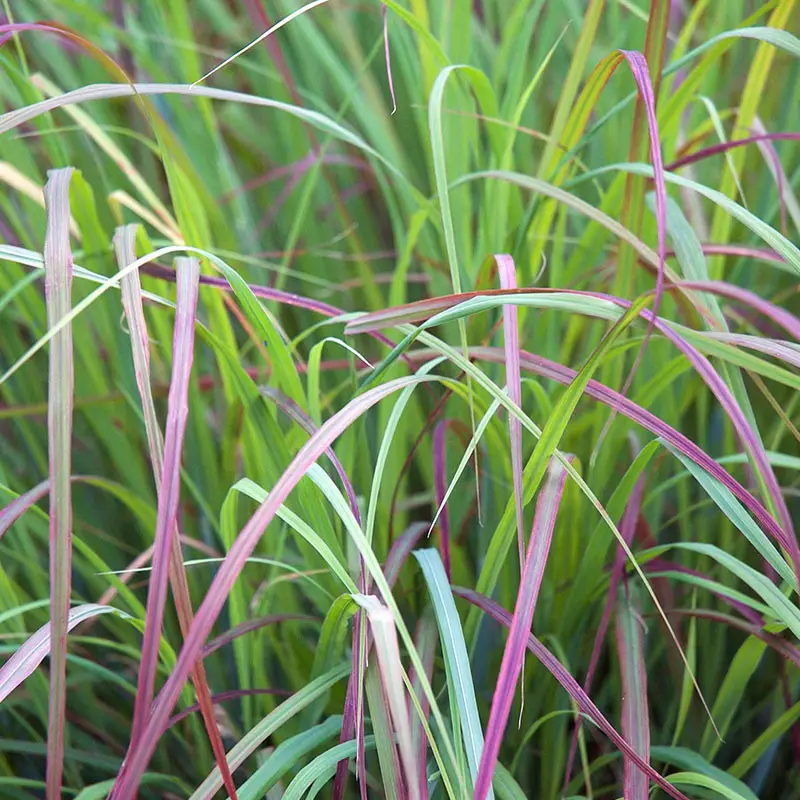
[{"x": 510, "y": 286}]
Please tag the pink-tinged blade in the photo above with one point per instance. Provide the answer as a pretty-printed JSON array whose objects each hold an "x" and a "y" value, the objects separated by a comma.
[
  {"x": 719, "y": 388},
  {"x": 758, "y": 253},
  {"x": 508, "y": 280},
  {"x": 384, "y": 634},
  {"x": 58, "y": 292},
  {"x": 638, "y": 64},
  {"x": 724, "y": 147},
  {"x": 252, "y": 625},
  {"x": 514, "y": 653},
  {"x": 773, "y": 160},
  {"x": 783, "y": 351},
  {"x": 27, "y": 658},
  {"x": 662, "y": 565},
  {"x": 388, "y": 56},
  {"x": 789, "y": 322},
  {"x": 286, "y": 298},
  {"x": 19, "y": 505},
  {"x": 139, "y": 756},
  {"x": 168, "y": 499},
  {"x": 635, "y": 717},
  {"x": 783, "y": 648},
  {"x": 627, "y": 530},
  {"x": 125, "y": 247},
  {"x": 440, "y": 490},
  {"x": 222, "y": 697},
  {"x": 562, "y": 675}
]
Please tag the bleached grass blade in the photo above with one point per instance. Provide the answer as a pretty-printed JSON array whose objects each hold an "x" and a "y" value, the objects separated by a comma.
[
  {"x": 58, "y": 291},
  {"x": 384, "y": 633}
]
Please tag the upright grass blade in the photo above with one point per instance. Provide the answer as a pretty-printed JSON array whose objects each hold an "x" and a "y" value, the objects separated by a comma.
[
  {"x": 635, "y": 717},
  {"x": 751, "y": 97},
  {"x": 255, "y": 737},
  {"x": 124, "y": 244},
  {"x": 513, "y": 655},
  {"x": 440, "y": 487},
  {"x": 58, "y": 290},
  {"x": 627, "y": 529},
  {"x": 169, "y": 492},
  {"x": 459, "y": 674},
  {"x": 384, "y": 633},
  {"x": 560, "y": 673},
  {"x": 508, "y": 280},
  {"x": 229, "y": 570}
]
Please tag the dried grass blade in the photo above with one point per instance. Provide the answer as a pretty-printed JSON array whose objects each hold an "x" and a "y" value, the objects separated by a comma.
[{"x": 58, "y": 286}]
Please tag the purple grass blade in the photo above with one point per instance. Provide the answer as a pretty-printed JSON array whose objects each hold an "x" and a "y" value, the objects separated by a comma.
[
  {"x": 398, "y": 554},
  {"x": 169, "y": 494},
  {"x": 788, "y": 321},
  {"x": 384, "y": 634},
  {"x": 251, "y": 625},
  {"x": 774, "y": 165},
  {"x": 23, "y": 663},
  {"x": 759, "y": 253},
  {"x": 440, "y": 490},
  {"x": 268, "y": 293},
  {"x": 662, "y": 566},
  {"x": 649, "y": 421},
  {"x": 718, "y": 387},
  {"x": 401, "y": 549},
  {"x": 125, "y": 247},
  {"x": 783, "y": 351},
  {"x": 61, "y": 389},
  {"x": 508, "y": 280},
  {"x": 627, "y": 530},
  {"x": 635, "y": 716},
  {"x": 782, "y": 647},
  {"x": 724, "y": 147},
  {"x": 562, "y": 675},
  {"x": 231, "y": 694},
  {"x": 514, "y": 653},
  {"x": 139, "y": 757}
]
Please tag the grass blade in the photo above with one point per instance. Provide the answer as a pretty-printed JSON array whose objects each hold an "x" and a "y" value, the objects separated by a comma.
[
  {"x": 530, "y": 583},
  {"x": 58, "y": 290},
  {"x": 124, "y": 244},
  {"x": 635, "y": 717},
  {"x": 456, "y": 659},
  {"x": 508, "y": 280},
  {"x": 168, "y": 496}
]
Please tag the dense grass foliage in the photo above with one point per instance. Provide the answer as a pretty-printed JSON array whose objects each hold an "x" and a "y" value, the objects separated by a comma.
[{"x": 407, "y": 408}]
